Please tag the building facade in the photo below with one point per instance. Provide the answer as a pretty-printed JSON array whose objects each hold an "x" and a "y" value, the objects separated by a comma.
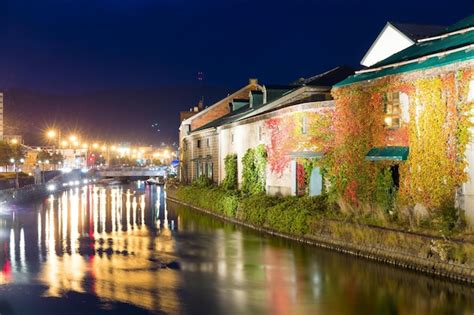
[
  {"x": 199, "y": 144},
  {"x": 405, "y": 123}
]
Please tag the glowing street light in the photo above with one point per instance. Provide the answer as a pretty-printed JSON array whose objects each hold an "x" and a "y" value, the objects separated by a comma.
[
  {"x": 95, "y": 145},
  {"x": 64, "y": 143},
  {"x": 73, "y": 138},
  {"x": 14, "y": 141},
  {"x": 51, "y": 134}
]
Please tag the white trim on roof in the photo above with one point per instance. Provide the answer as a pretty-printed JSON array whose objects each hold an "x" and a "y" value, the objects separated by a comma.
[
  {"x": 419, "y": 59},
  {"x": 461, "y": 31}
]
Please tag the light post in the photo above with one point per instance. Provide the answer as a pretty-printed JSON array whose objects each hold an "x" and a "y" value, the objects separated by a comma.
[
  {"x": 15, "y": 169},
  {"x": 41, "y": 163},
  {"x": 55, "y": 136}
]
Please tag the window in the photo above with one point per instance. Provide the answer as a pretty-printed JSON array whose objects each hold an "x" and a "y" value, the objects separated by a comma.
[
  {"x": 209, "y": 170},
  {"x": 198, "y": 144},
  {"x": 198, "y": 169},
  {"x": 304, "y": 129},
  {"x": 185, "y": 146},
  {"x": 391, "y": 109},
  {"x": 208, "y": 142},
  {"x": 470, "y": 96},
  {"x": 260, "y": 135}
]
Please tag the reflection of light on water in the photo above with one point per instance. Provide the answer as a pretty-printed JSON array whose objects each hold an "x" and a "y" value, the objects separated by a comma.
[
  {"x": 40, "y": 254},
  {"x": 12, "y": 250},
  {"x": 23, "y": 266},
  {"x": 114, "y": 266},
  {"x": 142, "y": 209},
  {"x": 134, "y": 211}
]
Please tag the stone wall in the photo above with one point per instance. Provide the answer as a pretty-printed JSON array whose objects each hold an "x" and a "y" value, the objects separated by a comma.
[{"x": 429, "y": 254}]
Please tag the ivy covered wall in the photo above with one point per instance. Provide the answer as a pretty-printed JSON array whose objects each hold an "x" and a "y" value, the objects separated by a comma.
[{"x": 436, "y": 129}]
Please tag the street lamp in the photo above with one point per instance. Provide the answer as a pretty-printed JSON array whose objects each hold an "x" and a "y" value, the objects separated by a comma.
[
  {"x": 73, "y": 138},
  {"x": 15, "y": 169},
  {"x": 55, "y": 136}
]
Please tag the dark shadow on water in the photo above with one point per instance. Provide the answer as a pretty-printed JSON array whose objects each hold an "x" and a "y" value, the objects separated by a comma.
[{"x": 69, "y": 303}]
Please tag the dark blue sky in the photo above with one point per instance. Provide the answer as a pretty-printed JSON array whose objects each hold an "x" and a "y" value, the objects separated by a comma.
[{"x": 70, "y": 46}]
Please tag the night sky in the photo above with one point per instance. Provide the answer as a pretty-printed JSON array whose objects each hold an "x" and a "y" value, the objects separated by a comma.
[{"x": 113, "y": 68}]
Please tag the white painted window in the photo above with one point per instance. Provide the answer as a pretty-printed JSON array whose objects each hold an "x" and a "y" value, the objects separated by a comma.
[
  {"x": 304, "y": 127},
  {"x": 391, "y": 109},
  {"x": 404, "y": 106},
  {"x": 470, "y": 96}
]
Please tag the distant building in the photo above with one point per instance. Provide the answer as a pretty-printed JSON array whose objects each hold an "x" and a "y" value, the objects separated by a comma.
[
  {"x": 262, "y": 115},
  {"x": 1, "y": 116},
  {"x": 192, "y": 111},
  {"x": 199, "y": 150}
]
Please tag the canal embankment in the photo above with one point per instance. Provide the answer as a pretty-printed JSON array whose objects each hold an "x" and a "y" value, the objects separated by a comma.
[
  {"x": 54, "y": 181},
  {"x": 308, "y": 220}
]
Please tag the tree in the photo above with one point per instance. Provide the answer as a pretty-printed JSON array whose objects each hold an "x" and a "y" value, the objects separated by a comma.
[
  {"x": 10, "y": 151},
  {"x": 5, "y": 153},
  {"x": 43, "y": 156},
  {"x": 56, "y": 158}
]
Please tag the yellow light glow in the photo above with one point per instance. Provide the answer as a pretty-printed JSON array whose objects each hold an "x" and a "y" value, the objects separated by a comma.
[
  {"x": 73, "y": 138},
  {"x": 95, "y": 145},
  {"x": 14, "y": 141},
  {"x": 104, "y": 148},
  {"x": 114, "y": 148},
  {"x": 64, "y": 143},
  {"x": 51, "y": 134},
  {"x": 85, "y": 145},
  {"x": 388, "y": 121}
]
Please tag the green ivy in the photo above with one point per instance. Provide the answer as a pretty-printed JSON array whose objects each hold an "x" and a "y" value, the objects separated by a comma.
[
  {"x": 254, "y": 164},
  {"x": 230, "y": 181},
  {"x": 203, "y": 181},
  {"x": 385, "y": 189}
]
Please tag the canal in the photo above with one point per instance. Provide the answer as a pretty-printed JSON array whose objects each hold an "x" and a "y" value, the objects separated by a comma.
[{"x": 123, "y": 250}]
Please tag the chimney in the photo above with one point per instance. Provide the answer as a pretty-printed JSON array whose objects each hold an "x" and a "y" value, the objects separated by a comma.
[
  {"x": 253, "y": 81},
  {"x": 201, "y": 104}
]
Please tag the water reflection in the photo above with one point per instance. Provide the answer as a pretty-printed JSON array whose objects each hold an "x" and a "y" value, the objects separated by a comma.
[{"x": 125, "y": 244}]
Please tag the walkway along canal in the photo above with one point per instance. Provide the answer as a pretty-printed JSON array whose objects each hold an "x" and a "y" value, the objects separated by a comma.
[{"x": 125, "y": 250}]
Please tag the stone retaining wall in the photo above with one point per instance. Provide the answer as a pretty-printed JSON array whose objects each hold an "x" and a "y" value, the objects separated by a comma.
[{"x": 433, "y": 255}]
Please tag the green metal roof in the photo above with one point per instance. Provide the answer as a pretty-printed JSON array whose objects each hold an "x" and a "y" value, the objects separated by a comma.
[
  {"x": 421, "y": 49},
  {"x": 429, "y": 63},
  {"x": 387, "y": 154},
  {"x": 464, "y": 23}
]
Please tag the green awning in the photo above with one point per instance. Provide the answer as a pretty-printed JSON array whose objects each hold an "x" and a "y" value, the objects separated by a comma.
[
  {"x": 387, "y": 154},
  {"x": 307, "y": 154}
]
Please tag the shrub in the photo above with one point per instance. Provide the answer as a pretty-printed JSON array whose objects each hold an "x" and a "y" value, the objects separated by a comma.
[
  {"x": 230, "y": 181},
  {"x": 253, "y": 209},
  {"x": 253, "y": 174},
  {"x": 449, "y": 219},
  {"x": 203, "y": 181},
  {"x": 214, "y": 199}
]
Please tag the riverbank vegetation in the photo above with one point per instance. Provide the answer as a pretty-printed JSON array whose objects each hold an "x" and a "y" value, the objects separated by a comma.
[{"x": 296, "y": 215}]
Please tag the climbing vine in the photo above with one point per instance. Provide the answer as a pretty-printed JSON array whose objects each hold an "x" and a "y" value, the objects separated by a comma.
[
  {"x": 230, "y": 181},
  {"x": 436, "y": 129},
  {"x": 287, "y": 136},
  {"x": 254, "y": 164}
]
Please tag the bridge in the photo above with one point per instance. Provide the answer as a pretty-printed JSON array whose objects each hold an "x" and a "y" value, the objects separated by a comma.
[{"x": 131, "y": 172}]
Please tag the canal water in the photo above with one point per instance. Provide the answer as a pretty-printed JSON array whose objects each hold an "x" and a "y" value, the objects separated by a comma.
[{"x": 124, "y": 250}]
